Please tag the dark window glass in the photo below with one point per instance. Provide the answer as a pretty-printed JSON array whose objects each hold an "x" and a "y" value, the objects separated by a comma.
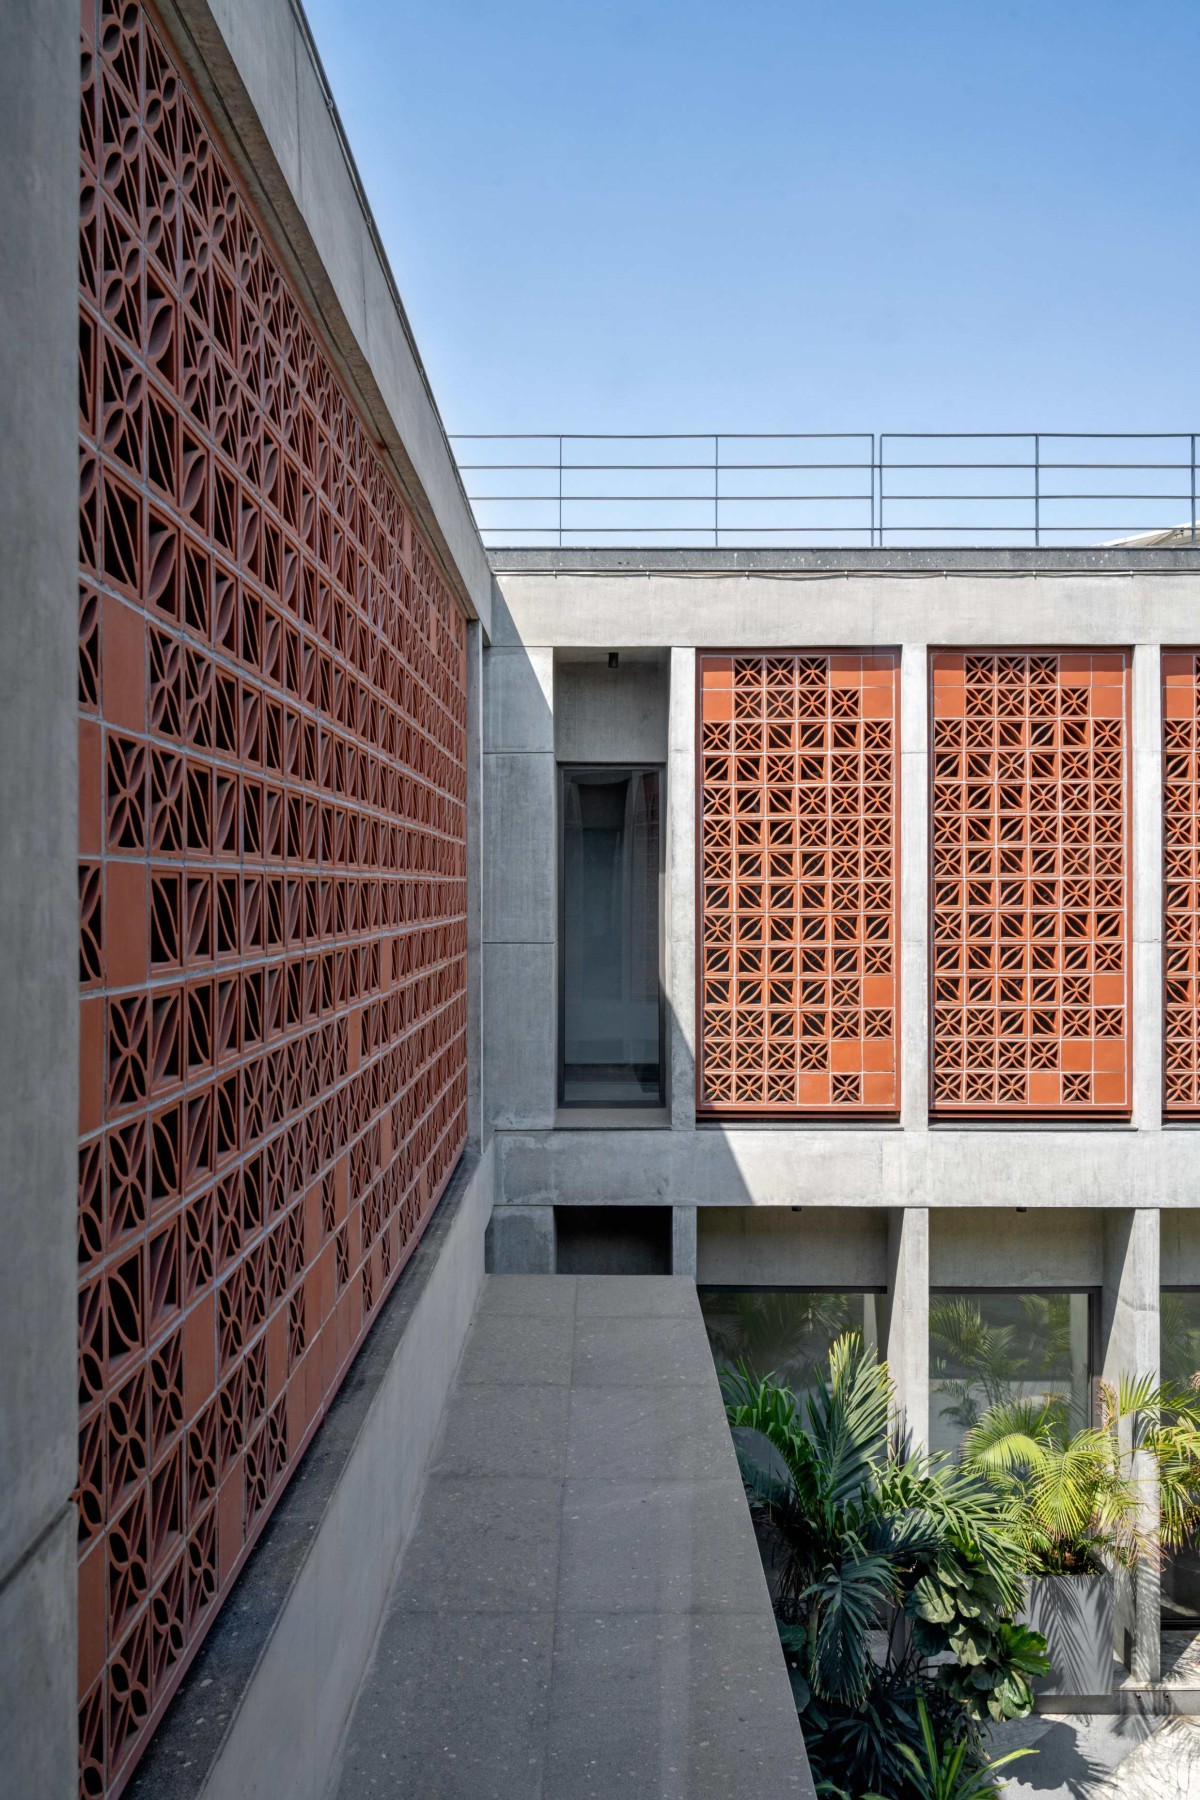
[
  {"x": 610, "y": 1006},
  {"x": 785, "y": 1332},
  {"x": 1180, "y": 1358},
  {"x": 991, "y": 1345}
]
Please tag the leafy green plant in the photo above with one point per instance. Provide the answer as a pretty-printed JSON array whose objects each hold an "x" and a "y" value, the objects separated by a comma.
[
  {"x": 884, "y": 1563},
  {"x": 944, "y": 1771},
  {"x": 1080, "y": 1497}
]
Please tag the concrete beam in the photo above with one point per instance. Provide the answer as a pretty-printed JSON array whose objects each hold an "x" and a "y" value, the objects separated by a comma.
[
  {"x": 797, "y": 1165},
  {"x": 1107, "y": 600},
  {"x": 643, "y": 561}
]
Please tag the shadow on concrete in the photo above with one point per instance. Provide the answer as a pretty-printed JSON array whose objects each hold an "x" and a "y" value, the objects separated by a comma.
[{"x": 1075, "y": 1755}]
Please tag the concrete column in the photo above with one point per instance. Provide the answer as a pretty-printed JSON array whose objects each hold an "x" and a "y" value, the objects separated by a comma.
[
  {"x": 682, "y": 875},
  {"x": 519, "y": 900},
  {"x": 521, "y": 1240},
  {"x": 478, "y": 1128},
  {"x": 1147, "y": 865},
  {"x": 39, "y": 899},
  {"x": 683, "y": 1241},
  {"x": 1129, "y": 1345},
  {"x": 914, "y": 887},
  {"x": 905, "y": 1319}
]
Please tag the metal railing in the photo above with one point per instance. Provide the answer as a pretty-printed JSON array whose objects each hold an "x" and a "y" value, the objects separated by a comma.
[{"x": 874, "y": 489}]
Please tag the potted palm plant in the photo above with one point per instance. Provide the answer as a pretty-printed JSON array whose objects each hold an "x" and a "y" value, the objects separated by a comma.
[
  {"x": 894, "y": 1578},
  {"x": 1088, "y": 1499}
]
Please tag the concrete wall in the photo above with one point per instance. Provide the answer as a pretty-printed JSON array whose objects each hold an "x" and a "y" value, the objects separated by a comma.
[
  {"x": 258, "y": 69},
  {"x": 1005, "y": 1248},
  {"x": 820, "y": 1247},
  {"x": 604, "y": 715},
  {"x": 1180, "y": 1248},
  {"x": 520, "y": 1007},
  {"x": 39, "y": 904}
]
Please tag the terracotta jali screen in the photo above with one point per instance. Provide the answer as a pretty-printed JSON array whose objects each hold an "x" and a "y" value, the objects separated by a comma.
[
  {"x": 1030, "y": 943},
  {"x": 272, "y": 882},
  {"x": 1181, "y": 893},
  {"x": 798, "y": 851}
]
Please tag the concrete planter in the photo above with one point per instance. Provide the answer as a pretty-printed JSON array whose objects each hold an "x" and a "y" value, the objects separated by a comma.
[{"x": 1074, "y": 1613}]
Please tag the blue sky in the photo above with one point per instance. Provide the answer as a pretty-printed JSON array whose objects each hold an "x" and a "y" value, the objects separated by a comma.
[{"x": 763, "y": 216}]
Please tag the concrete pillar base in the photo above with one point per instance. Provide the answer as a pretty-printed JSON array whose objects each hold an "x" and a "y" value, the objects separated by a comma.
[
  {"x": 521, "y": 1241},
  {"x": 683, "y": 1241}
]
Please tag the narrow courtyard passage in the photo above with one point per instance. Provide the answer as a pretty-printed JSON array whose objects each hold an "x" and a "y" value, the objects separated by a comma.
[{"x": 580, "y": 1611}]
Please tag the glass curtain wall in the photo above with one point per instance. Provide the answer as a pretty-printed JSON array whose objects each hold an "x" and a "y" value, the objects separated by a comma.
[
  {"x": 785, "y": 1332},
  {"x": 610, "y": 1023},
  {"x": 991, "y": 1345},
  {"x": 1179, "y": 1352}
]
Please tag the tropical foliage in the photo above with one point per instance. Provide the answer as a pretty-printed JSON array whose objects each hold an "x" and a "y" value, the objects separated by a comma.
[
  {"x": 1080, "y": 1497},
  {"x": 883, "y": 1564},
  {"x": 944, "y": 1771}
]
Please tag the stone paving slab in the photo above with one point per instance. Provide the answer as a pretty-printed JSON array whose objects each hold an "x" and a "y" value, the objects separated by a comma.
[
  {"x": 581, "y": 1612},
  {"x": 1165, "y": 1767}
]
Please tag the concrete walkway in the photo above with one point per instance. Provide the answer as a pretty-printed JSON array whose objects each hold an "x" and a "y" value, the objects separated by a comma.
[{"x": 580, "y": 1613}]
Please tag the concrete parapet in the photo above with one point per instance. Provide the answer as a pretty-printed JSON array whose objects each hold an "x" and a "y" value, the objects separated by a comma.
[{"x": 262, "y": 1709}]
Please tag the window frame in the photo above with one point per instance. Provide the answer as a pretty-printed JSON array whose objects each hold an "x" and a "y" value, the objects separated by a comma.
[
  {"x": 564, "y": 771},
  {"x": 1094, "y": 1293}
]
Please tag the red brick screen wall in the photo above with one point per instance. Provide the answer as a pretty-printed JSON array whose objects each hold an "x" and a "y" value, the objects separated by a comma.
[
  {"x": 272, "y": 882},
  {"x": 1181, "y": 892},
  {"x": 798, "y": 905},
  {"x": 1030, "y": 948}
]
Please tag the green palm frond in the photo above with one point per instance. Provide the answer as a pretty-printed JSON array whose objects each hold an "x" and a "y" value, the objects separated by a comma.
[
  {"x": 848, "y": 1417},
  {"x": 1011, "y": 1435},
  {"x": 848, "y": 1600},
  {"x": 943, "y": 1771}
]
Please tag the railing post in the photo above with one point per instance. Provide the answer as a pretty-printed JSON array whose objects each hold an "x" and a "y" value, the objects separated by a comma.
[
  {"x": 872, "y": 490},
  {"x": 1037, "y": 490},
  {"x": 879, "y": 468},
  {"x": 716, "y": 492},
  {"x": 560, "y": 444},
  {"x": 1193, "y": 487}
]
